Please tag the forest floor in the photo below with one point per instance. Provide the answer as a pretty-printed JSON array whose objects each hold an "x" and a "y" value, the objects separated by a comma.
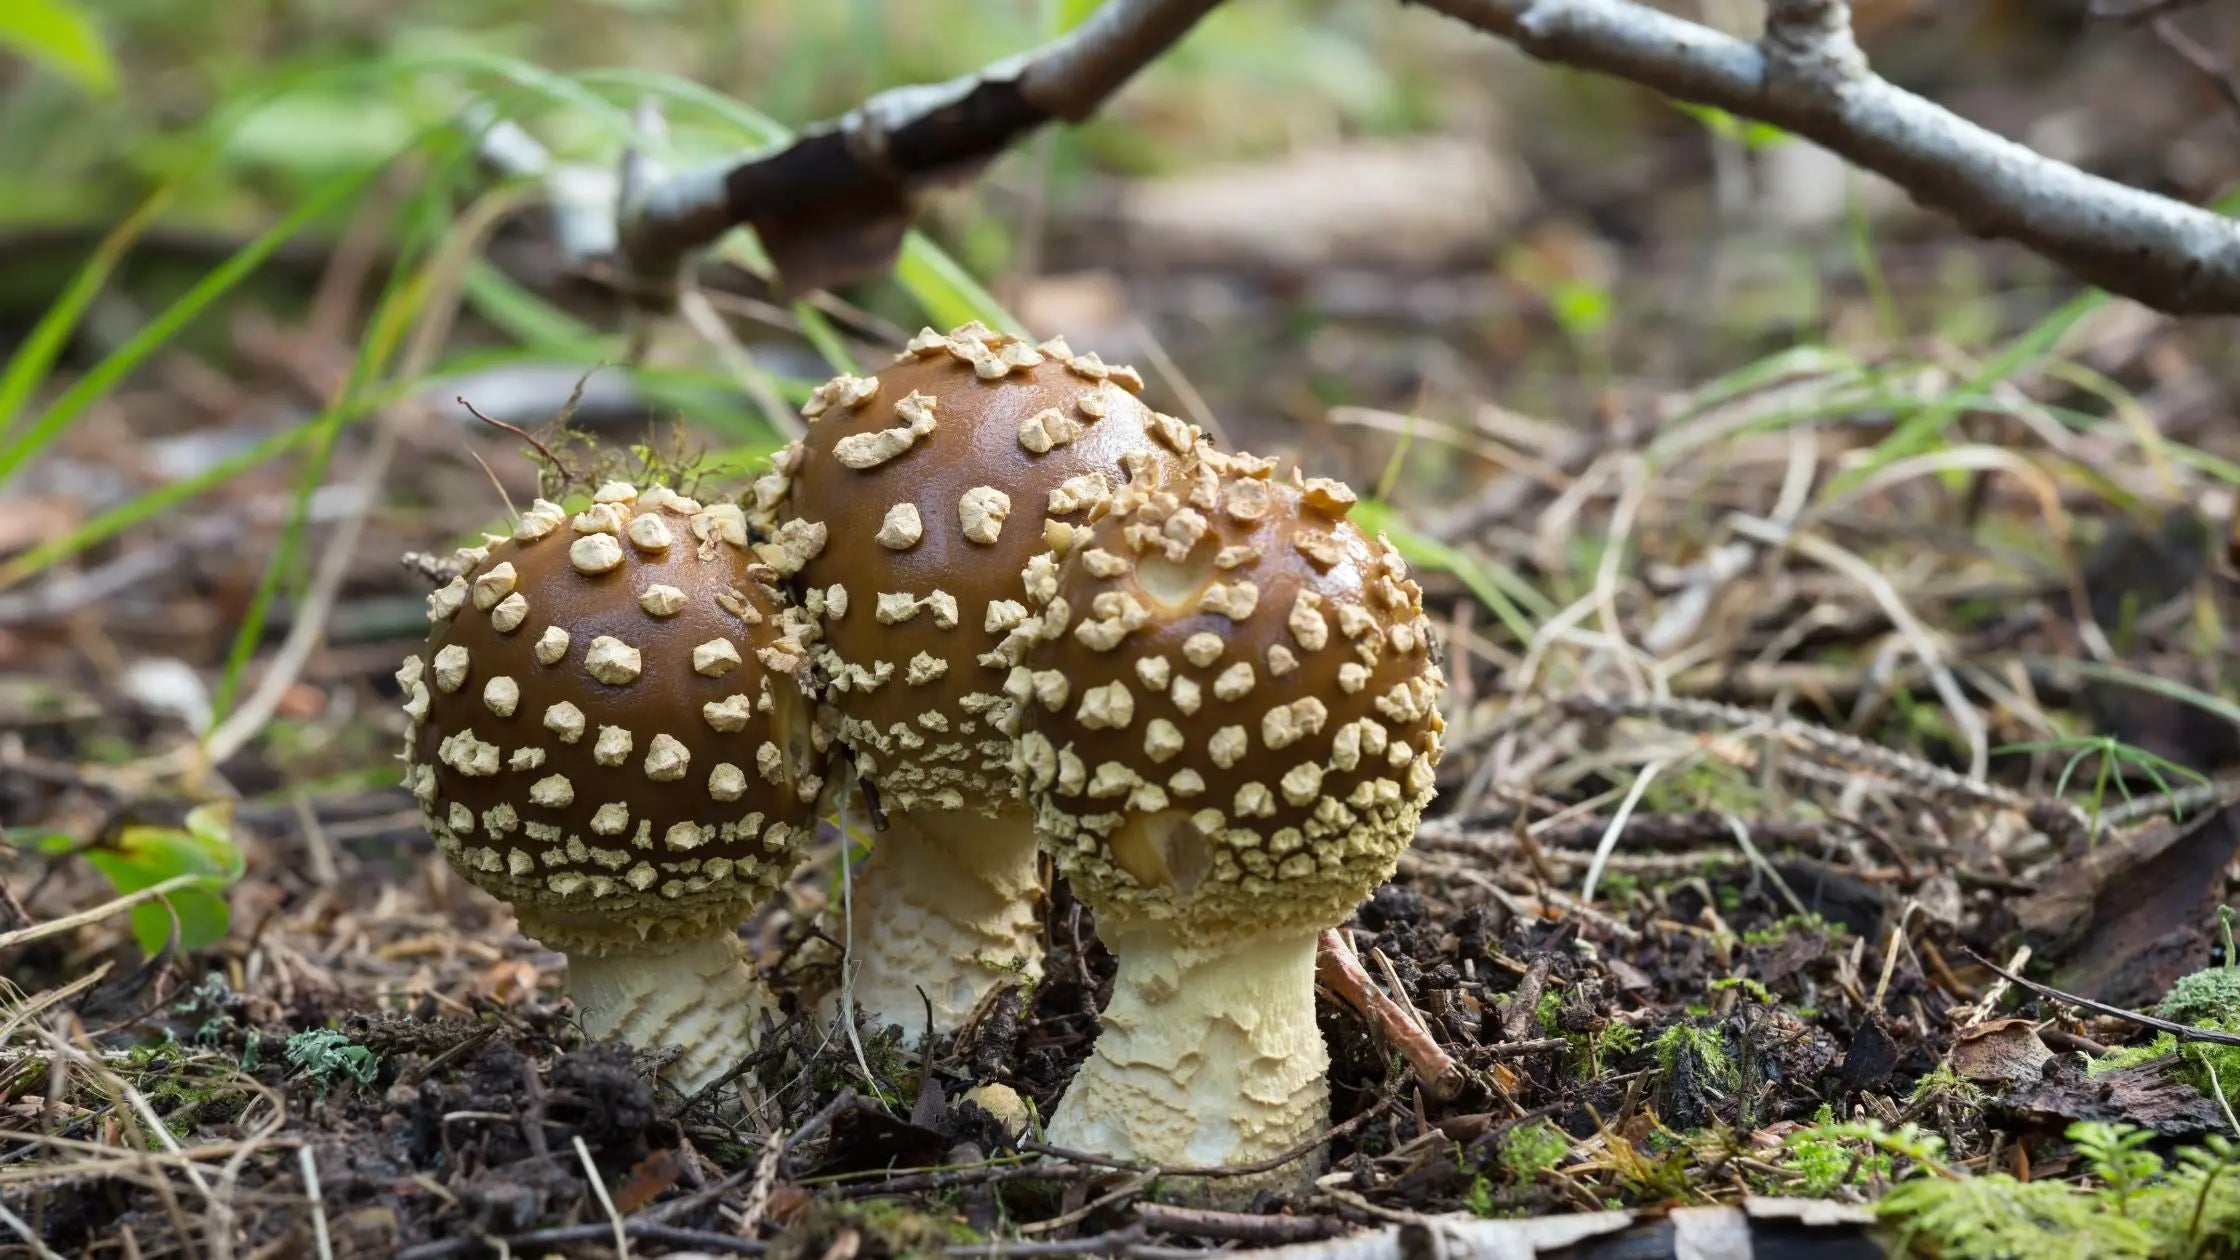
[
  {"x": 1780, "y": 987},
  {"x": 1844, "y": 724}
]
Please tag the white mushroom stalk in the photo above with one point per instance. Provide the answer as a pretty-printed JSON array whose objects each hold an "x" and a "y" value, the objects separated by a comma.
[
  {"x": 943, "y": 910},
  {"x": 606, "y": 734},
  {"x": 1250, "y": 738},
  {"x": 909, "y": 520}
]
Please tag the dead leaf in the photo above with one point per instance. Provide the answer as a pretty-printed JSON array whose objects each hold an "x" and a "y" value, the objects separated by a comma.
[
  {"x": 509, "y": 982},
  {"x": 2002, "y": 1052},
  {"x": 2134, "y": 913},
  {"x": 645, "y": 1181}
]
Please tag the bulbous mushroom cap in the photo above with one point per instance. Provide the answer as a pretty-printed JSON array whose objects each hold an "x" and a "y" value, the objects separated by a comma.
[
  {"x": 606, "y": 729},
  {"x": 907, "y": 519},
  {"x": 1237, "y": 729}
]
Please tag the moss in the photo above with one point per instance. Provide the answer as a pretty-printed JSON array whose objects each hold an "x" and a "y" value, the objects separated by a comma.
[
  {"x": 1531, "y": 1149},
  {"x": 2203, "y": 997}
]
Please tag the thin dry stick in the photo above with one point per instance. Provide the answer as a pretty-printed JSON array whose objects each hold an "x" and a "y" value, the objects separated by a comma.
[
  {"x": 1610, "y": 834},
  {"x": 309, "y": 1163},
  {"x": 1998, "y": 988},
  {"x": 72, "y": 922},
  {"x": 1340, "y": 968},
  {"x": 2184, "y": 1031},
  {"x": 1916, "y": 635},
  {"x": 606, "y": 1201},
  {"x": 1890, "y": 956}
]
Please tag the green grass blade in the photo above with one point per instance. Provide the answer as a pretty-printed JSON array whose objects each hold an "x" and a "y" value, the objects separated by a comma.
[
  {"x": 155, "y": 502},
  {"x": 1499, "y": 589},
  {"x": 32, "y": 361},
  {"x": 1920, "y": 430},
  {"x": 107, "y": 525},
  {"x": 945, "y": 291},
  {"x": 120, "y": 363},
  {"x": 393, "y": 314},
  {"x": 821, "y": 334}
]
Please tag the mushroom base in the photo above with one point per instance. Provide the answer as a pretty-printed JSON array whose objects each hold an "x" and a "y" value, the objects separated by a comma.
[
  {"x": 946, "y": 902},
  {"x": 697, "y": 994},
  {"x": 1210, "y": 1056}
]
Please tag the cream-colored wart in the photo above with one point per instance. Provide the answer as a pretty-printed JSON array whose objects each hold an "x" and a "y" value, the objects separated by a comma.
[
  {"x": 923, "y": 506},
  {"x": 1264, "y": 777},
  {"x": 625, "y": 850}
]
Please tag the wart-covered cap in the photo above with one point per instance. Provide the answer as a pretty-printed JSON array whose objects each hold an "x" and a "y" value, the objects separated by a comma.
[
  {"x": 607, "y": 731},
  {"x": 1234, "y": 724},
  {"x": 907, "y": 519}
]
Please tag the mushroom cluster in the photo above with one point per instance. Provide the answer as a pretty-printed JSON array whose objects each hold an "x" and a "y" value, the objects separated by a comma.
[
  {"x": 904, "y": 521},
  {"x": 1038, "y": 619},
  {"x": 1246, "y": 740},
  {"x": 606, "y": 733}
]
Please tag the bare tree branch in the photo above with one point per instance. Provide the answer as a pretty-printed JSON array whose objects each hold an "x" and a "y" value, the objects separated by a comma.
[
  {"x": 833, "y": 204},
  {"x": 1808, "y": 77}
]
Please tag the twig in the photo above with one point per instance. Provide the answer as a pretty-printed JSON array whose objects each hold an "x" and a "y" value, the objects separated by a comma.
[
  {"x": 1168, "y": 1218},
  {"x": 636, "y": 1230},
  {"x": 72, "y": 922},
  {"x": 1338, "y": 966},
  {"x": 1998, "y": 988},
  {"x": 309, "y": 1163},
  {"x": 1617, "y": 827},
  {"x": 1806, "y": 76},
  {"x": 599, "y": 1188},
  {"x": 2185, "y": 1031},
  {"x": 23, "y": 1231},
  {"x": 832, "y": 204},
  {"x": 516, "y": 430}
]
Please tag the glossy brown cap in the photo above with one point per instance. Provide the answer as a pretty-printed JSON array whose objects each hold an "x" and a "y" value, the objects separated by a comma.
[
  {"x": 906, "y": 519},
  {"x": 606, "y": 727},
  {"x": 1237, "y": 730}
]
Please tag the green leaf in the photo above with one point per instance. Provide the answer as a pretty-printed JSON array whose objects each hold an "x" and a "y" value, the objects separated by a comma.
[
  {"x": 142, "y": 856},
  {"x": 36, "y": 840},
  {"x": 55, "y": 34}
]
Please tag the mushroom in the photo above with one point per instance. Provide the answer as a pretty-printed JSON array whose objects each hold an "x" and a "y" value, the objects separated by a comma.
[
  {"x": 607, "y": 734},
  {"x": 908, "y": 520},
  {"x": 1248, "y": 741}
]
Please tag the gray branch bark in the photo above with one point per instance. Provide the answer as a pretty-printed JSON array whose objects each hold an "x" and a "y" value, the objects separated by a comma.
[
  {"x": 833, "y": 205},
  {"x": 1806, "y": 76}
]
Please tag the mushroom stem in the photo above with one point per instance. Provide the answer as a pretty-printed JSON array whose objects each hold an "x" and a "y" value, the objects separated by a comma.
[
  {"x": 1210, "y": 1055},
  {"x": 697, "y": 993},
  {"x": 945, "y": 903}
]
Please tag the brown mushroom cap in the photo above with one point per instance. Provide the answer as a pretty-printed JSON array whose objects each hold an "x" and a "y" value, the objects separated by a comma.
[
  {"x": 907, "y": 517},
  {"x": 1239, "y": 725},
  {"x": 606, "y": 729}
]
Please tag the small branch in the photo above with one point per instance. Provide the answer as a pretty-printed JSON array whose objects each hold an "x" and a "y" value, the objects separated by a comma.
[
  {"x": 2184, "y": 1032},
  {"x": 1339, "y": 967},
  {"x": 1806, "y": 77},
  {"x": 832, "y": 205}
]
